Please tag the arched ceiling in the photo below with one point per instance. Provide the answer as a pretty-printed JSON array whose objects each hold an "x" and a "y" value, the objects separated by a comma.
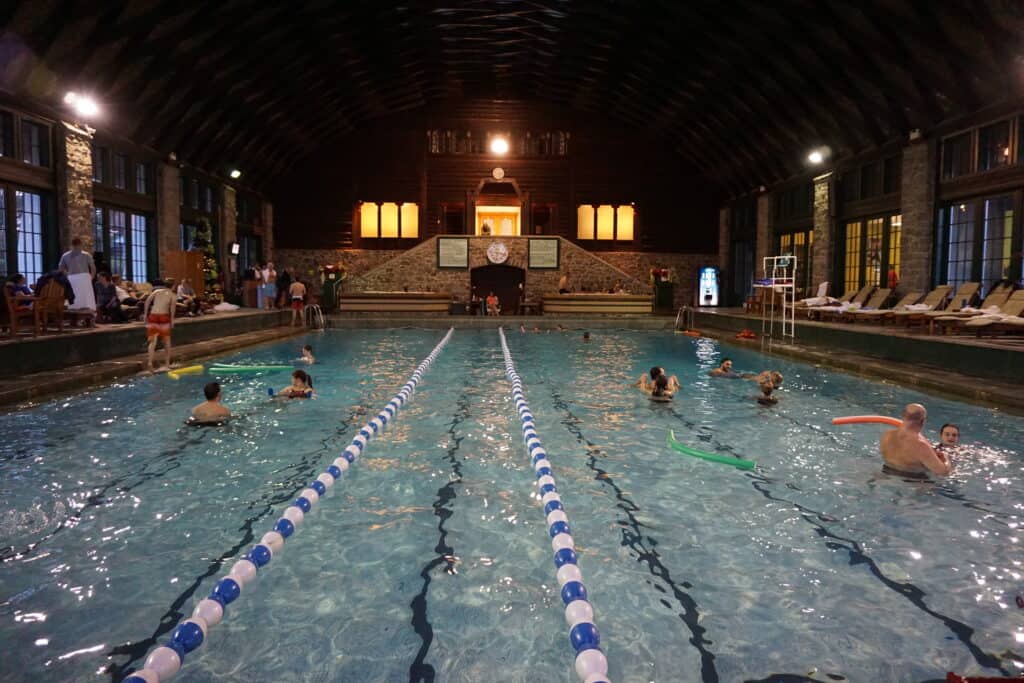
[{"x": 740, "y": 89}]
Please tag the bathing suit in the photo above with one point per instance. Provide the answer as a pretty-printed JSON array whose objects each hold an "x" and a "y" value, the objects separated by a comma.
[
  {"x": 297, "y": 303},
  {"x": 193, "y": 422},
  {"x": 158, "y": 325},
  {"x": 895, "y": 471}
]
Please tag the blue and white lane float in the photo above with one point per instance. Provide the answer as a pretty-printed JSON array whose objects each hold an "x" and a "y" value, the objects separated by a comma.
[
  {"x": 163, "y": 662},
  {"x": 591, "y": 664}
]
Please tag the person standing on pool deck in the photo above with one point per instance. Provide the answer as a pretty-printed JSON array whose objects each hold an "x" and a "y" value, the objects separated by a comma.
[
  {"x": 159, "y": 316},
  {"x": 724, "y": 370},
  {"x": 297, "y": 294},
  {"x": 210, "y": 411},
  {"x": 906, "y": 453},
  {"x": 563, "y": 284}
]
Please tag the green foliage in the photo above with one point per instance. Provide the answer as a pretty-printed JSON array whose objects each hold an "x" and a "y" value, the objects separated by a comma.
[{"x": 203, "y": 242}]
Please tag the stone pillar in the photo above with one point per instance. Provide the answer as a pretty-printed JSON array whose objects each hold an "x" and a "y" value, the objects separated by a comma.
[
  {"x": 168, "y": 211},
  {"x": 824, "y": 234},
  {"x": 74, "y": 187},
  {"x": 268, "y": 231},
  {"x": 724, "y": 246},
  {"x": 763, "y": 245},
  {"x": 228, "y": 218},
  {"x": 917, "y": 198}
]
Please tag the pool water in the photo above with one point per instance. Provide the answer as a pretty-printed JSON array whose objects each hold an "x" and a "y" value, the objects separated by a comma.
[{"x": 431, "y": 560}]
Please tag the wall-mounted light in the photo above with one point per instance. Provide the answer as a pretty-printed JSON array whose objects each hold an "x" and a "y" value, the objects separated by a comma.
[
  {"x": 499, "y": 145},
  {"x": 815, "y": 157},
  {"x": 83, "y": 105},
  {"x": 235, "y": 173}
]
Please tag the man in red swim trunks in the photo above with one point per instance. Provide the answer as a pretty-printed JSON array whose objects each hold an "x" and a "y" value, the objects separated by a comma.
[
  {"x": 297, "y": 293},
  {"x": 159, "y": 317}
]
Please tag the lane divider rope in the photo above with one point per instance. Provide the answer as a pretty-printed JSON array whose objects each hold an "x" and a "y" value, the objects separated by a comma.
[
  {"x": 165, "y": 661},
  {"x": 591, "y": 663}
]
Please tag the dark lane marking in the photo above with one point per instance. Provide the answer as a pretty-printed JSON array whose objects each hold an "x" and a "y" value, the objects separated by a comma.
[
  {"x": 443, "y": 509},
  {"x": 645, "y": 548},
  {"x": 264, "y": 506}
]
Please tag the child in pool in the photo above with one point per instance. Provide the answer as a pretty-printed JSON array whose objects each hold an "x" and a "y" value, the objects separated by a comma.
[
  {"x": 766, "y": 398},
  {"x": 301, "y": 387},
  {"x": 307, "y": 355}
]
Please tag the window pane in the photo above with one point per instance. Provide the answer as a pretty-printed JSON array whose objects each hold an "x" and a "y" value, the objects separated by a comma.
[
  {"x": 389, "y": 219},
  {"x": 6, "y": 134},
  {"x": 139, "y": 229},
  {"x": 624, "y": 223},
  {"x": 786, "y": 245},
  {"x": 188, "y": 236},
  {"x": 35, "y": 144},
  {"x": 895, "y": 239},
  {"x": 29, "y": 217},
  {"x": 207, "y": 199},
  {"x": 893, "y": 170},
  {"x": 118, "y": 243},
  {"x": 3, "y": 233},
  {"x": 410, "y": 220},
  {"x": 956, "y": 156},
  {"x": 585, "y": 222},
  {"x": 193, "y": 197},
  {"x": 994, "y": 146},
  {"x": 120, "y": 171},
  {"x": 961, "y": 244},
  {"x": 98, "y": 163},
  {"x": 97, "y": 231},
  {"x": 605, "y": 222},
  {"x": 368, "y": 220},
  {"x": 995, "y": 247},
  {"x": 870, "y": 180},
  {"x": 142, "y": 178},
  {"x": 851, "y": 275},
  {"x": 873, "y": 252}
]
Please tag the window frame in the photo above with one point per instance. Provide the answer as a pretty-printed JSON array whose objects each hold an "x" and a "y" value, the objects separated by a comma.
[
  {"x": 941, "y": 237},
  {"x": 46, "y": 141},
  {"x": 595, "y": 210},
  {"x": 400, "y": 227},
  {"x": 886, "y": 251},
  {"x": 150, "y": 254}
]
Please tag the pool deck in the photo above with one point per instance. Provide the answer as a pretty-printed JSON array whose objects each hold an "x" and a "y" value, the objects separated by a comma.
[
  {"x": 988, "y": 372},
  {"x": 33, "y": 369}
]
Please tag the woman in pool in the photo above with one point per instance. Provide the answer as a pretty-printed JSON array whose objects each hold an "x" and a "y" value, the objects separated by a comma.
[
  {"x": 307, "y": 355},
  {"x": 301, "y": 387},
  {"x": 660, "y": 391}
]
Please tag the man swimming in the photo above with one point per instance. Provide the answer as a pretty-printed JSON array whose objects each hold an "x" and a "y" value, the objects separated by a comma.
[
  {"x": 210, "y": 411},
  {"x": 773, "y": 377},
  {"x": 724, "y": 370},
  {"x": 906, "y": 453}
]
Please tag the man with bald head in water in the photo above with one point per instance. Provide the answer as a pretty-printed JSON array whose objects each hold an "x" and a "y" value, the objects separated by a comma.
[{"x": 906, "y": 452}]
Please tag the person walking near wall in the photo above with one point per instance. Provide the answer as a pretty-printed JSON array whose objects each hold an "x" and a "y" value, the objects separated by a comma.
[{"x": 269, "y": 278}]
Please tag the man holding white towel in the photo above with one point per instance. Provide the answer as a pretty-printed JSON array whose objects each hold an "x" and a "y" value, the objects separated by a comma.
[{"x": 80, "y": 269}]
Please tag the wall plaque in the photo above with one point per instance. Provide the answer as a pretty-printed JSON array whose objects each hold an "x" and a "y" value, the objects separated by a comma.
[
  {"x": 453, "y": 252},
  {"x": 543, "y": 253}
]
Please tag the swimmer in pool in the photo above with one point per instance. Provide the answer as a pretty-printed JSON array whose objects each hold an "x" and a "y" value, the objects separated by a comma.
[
  {"x": 301, "y": 387},
  {"x": 724, "y": 370},
  {"x": 905, "y": 453},
  {"x": 647, "y": 384},
  {"x": 210, "y": 411},
  {"x": 660, "y": 391},
  {"x": 949, "y": 436},
  {"x": 773, "y": 377},
  {"x": 307, "y": 355},
  {"x": 766, "y": 398},
  {"x": 586, "y": 337}
]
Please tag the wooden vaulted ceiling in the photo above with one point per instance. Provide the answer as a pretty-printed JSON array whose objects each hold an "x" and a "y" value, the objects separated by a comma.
[{"x": 741, "y": 89}]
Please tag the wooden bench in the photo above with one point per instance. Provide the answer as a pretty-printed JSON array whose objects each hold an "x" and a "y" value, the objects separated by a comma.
[{"x": 602, "y": 304}]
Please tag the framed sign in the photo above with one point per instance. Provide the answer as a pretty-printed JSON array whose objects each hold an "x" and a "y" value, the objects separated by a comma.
[
  {"x": 453, "y": 253},
  {"x": 543, "y": 253}
]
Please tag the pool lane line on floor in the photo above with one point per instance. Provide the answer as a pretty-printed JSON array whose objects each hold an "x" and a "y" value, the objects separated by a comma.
[
  {"x": 419, "y": 670},
  {"x": 633, "y": 536},
  {"x": 136, "y": 650},
  {"x": 591, "y": 663},
  {"x": 909, "y": 591},
  {"x": 165, "y": 661}
]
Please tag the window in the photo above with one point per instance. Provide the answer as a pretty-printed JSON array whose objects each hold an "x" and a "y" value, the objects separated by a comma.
[
  {"x": 3, "y": 233},
  {"x": 193, "y": 197},
  {"x": 6, "y": 134},
  {"x": 142, "y": 178},
  {"x": 140, "y": 228},
  {"x": 243, "y": 210},
  {"x": 871, "y": 180},
  {"x": 118, "y": 256},
  {"x": 120, "y": 171},
  {"x": 871, "y": 252},
  {"x": 188, "y": 236},
  {"x": 389, "y": 220},
  {"x": 977, "y": 241},
  {"x": 994, "y": 146},
  {"x": 956, "y": 156},
  {"x": 798, "y": 244},
  {"x": 207, "y": 199},
  {"x": 996, "y": 240},
  {"x": 182, "y": 190},
  {"x": 99, "y": 163},
  {"x": 606, "y": 222},
  {"x": 97, "y": 231},
  {"x": 893, "y": 171},
  {"x": 29, "y": 217},
  {"x": 250, "y": 252},
  {"x": 794, "y": 203},
  {"x": 35, "y": 143}
]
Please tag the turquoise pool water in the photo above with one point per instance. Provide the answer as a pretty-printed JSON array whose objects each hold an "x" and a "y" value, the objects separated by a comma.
[{"x": 432, "y": 560}]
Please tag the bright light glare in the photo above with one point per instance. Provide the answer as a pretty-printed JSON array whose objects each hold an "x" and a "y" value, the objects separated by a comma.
[
  {"x": 815, "y": 157},
  {"x": 499, "y": 146},
  {"x": 236, "y": 174},
  {"x": 83, "y": 105}
]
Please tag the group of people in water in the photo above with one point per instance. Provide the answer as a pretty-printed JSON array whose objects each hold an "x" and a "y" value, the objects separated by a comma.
[
  {"x": 905, "y": 451},
  {"x": 213, "y": 412}
]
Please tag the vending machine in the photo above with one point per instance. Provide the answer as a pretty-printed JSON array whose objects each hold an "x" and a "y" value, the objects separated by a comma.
[{"x": 707, "y": 286}]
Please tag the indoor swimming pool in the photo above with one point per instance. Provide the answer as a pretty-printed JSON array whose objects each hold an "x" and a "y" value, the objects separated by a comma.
[{"x": 431, "y": 558}]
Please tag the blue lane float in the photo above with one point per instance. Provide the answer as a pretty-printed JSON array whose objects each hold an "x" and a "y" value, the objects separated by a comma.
[
  {"x": 591, "y": 663},
  {"x": 165, "y": 661}
]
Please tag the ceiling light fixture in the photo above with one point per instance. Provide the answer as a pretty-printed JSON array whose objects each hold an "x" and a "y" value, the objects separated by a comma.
[
  {"x": 499, "y": 146},
  {"x": 83, "y": 105},
  {"x": 816, "y": 157},
  {"x": 235, "y": 173}
]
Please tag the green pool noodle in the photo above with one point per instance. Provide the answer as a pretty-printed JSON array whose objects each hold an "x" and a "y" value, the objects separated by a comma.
[{"x": 670, "y": 440}]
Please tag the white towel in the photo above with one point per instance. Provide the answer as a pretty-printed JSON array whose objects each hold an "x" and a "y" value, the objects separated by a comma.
[
  {"x": 917, "y": 307},
  {"x": 85, "y": 297}
]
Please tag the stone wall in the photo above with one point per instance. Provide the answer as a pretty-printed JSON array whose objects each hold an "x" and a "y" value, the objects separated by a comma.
[
  {"x": 824, "y": 233},
  {"x": 228, "y": 220},
  {"x": 168, "y": 209},
  {"x": 763, "y": 246},
  {"x": 918, "y": 207},
  {"x": 416, "y": 268},
  {"x": 724, "y": 240},
  {"x": 74, "y": 188}
]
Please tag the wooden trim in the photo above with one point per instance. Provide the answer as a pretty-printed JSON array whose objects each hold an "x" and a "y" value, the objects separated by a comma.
[
  {"x": 996, "y": 181},
  {"x": 14, "y": 171}
]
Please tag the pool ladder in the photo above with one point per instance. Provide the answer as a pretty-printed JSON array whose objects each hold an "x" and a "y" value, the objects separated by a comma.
[{"x": 315, "y": 317}]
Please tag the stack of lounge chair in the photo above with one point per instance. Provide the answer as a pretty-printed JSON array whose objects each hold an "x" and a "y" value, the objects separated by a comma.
[
  {"x": 1002, "y": 311},
  {"x": 847, "y": 300},
  {"x": 877, "y": 301},
  {"x": 951, "y": 319},
  {"x": 880, "y": 315}
]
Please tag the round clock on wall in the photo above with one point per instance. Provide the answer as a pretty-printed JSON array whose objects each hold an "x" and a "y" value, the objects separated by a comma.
[
  {"x": 498, "y": 173},
  {"x": 497, "y": 252}
]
